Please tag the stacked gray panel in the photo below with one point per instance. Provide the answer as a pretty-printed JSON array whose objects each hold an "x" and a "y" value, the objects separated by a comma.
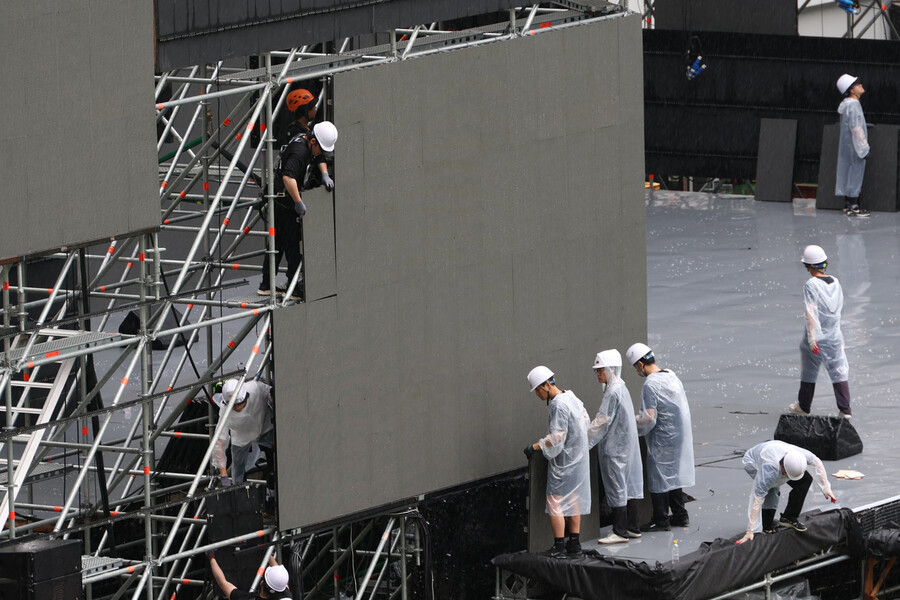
[
  {"x": 775, "y": 159},
  {"x": 77, "y": 141},
  {"x": 489, "y": 217}
]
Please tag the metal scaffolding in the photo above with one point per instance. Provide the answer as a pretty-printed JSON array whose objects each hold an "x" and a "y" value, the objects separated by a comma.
[{"x": 91, "y": 410}]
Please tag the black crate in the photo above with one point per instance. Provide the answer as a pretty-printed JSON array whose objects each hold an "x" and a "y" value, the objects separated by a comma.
[{"x": 236, "y": 513}]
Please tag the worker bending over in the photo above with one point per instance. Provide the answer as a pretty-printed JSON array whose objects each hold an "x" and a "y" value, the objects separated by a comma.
[
  {"x": 566, "y": 448},
  {"x": 250, "y": 421},
  {"x": 614, "y": 433},
  {"x": 771, "y": 465}
]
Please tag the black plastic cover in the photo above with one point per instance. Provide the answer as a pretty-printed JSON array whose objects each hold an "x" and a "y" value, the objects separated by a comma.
[
  {"x": 714, "y": 569},
  {"x": 883, "y": 543},
  {"x": 829, "y": 438}
]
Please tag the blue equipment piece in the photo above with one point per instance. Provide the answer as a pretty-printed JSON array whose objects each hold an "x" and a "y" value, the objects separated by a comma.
[
  {"x": 696, "y": 69},
  {"x": 851, "y": 7}
]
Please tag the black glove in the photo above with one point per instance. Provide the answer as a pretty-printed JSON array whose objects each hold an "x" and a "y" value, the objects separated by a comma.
[
  {"x": 300, "y": 209},
  {"x": 210, "y": 554},
  {"x": 225, "y": 481},
  {"x": 529, "y": 451},
  {"x": 328, "y": 182}
]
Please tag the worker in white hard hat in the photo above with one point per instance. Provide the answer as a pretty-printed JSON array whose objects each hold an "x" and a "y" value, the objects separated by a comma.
[
  {"x": 274, "y": 584},
  {"x": 249, "y": 421},
  {"x": 568, "y": 475},
  {"x": 614, "y": 433},
  {"x": 303, "y": 150},
  {"x": 771, "y": 465},
  {"x": 853, "y": 147},
  {"x": 823, "y": 341},
  {"x": 665, "y": 421}
]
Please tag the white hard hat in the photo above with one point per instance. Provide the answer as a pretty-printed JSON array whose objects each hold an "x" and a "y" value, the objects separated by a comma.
[
  {"x": 845, "y": 82},
  {"x": 794, "y": 465},
  {"x": 276, "y": 578},
  {"x": 539, "y": 375},
  {"x": 229, "y": 388},
  {"x": 813, "y": 255},
  {"x": 326, "y": 133},
  {"x": 608, "y": 358},
  {"x": 636, "y": 352}
]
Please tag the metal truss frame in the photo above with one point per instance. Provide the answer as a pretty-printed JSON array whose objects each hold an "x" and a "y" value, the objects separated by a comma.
[
  {"x": 215, "y": 173},
  {"x": 870, "y": 13}
]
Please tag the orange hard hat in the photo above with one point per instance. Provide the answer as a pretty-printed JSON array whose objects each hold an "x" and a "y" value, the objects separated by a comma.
[{"x": 299, "y": 98}]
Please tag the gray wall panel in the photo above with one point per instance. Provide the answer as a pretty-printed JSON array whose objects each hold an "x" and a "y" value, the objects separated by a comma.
[
  {"x": 318, "y": 244},
  {"x": 79, "y": 129},
  {"x": 484, "y": 200}
]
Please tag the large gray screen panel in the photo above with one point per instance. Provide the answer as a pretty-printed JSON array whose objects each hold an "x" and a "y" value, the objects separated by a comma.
[
  {"x": 77, "y": 141},
  {"x": 489, "y": 217}
]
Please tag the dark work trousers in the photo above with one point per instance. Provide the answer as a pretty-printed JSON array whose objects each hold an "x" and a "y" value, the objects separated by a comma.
[
  {"x": 625, "y": 518},
  {"x": 841, "y": 395},
  {"x": 673, "y": 499},
  {"x": 797, "y": 496},
  {"x": 287, "y": 242}
]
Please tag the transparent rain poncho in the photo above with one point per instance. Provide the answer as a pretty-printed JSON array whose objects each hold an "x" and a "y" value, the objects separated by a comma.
[
  {"x": 614, "y": 433},
  {"x": 665, "y": 420},
  {"x": 852, "y": 149},
  {"x": 824, "y": 301},
  {"x": 250, "y": 424},
  {"x": 566, "y": 449},
  {"x": 763, "y": 463}
]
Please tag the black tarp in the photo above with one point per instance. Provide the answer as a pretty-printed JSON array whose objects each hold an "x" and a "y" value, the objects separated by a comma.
[
  {"x": 829, "y": 438},
  {"x": 715, "y": 568},
  {"x": 883, "y": 543}
]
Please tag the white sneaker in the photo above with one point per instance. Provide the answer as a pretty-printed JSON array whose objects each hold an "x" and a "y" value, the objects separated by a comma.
[
  {"x": 845, "y": 416},
  {"x": 613, "y": 538},
  {"x": 795, "y": 408}
]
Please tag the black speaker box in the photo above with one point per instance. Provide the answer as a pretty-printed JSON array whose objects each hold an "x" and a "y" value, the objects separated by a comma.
[
  {"x": 829, "y": 438},
  {"x": 235, "y": 513},
  {"x": 11, "y": 590},
  {"x": 67, "y": 587},
  {"x": 40, "y": 560}
]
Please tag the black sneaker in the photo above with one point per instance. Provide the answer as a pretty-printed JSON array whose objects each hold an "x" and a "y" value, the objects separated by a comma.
[
  {"x": 861, "y": 212},
  {"x": 653, "y": 527},
  {"x": 556, "y": 552},
  {"x": 792, "y": 523},
  {"x": 684, "y": 521},
  {"x": 573, "y": 549},
  {"x": 772, "y": 529}
]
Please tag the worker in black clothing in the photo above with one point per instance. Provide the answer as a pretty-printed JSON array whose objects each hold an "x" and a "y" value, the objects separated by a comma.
[
  {"x": 274, "y": 584},
  {"x": 302, "y": 104},
  {"x": 293, "y": 163}
]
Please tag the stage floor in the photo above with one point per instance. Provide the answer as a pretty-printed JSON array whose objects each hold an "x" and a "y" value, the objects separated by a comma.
[{"x": 725, "y": 312}]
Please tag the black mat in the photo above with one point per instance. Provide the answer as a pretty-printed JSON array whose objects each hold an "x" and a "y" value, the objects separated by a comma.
[{"x": 715, "y": 568}]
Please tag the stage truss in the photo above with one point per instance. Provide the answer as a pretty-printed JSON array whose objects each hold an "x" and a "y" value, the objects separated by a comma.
[{"x": 90, "y": 410}]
